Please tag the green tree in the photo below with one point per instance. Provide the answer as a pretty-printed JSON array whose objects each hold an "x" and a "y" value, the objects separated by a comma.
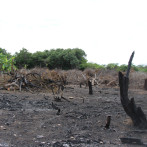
[
  {"x": 40, "y": 58},
  {"x": 122, "y": 67},
  {"x": 65, "y": 58},
  {"x": 54, "y": 58},
  {"x": 23, "y": 59},
  {"x": 70, "y": 59},
  {"x": 112, "y": 66}
]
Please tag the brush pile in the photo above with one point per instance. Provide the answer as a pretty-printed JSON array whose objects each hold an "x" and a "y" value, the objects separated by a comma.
[
  {"x": 34, "y": 80},
  {"x": 45, "y": 80}
]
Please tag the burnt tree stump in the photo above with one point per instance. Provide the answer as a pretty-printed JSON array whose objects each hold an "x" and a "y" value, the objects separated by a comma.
[
  {"x": 145, "y": 84},
  {"x": 90, "y": 87},
  {"x": 108, "y": 122},
  {"x": 134, "y": 112}
]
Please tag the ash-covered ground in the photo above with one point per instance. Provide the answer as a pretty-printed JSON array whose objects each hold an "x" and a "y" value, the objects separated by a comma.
[{"x": 33, "y": 120}]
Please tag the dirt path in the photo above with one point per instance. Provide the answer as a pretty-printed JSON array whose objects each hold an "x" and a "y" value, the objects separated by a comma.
[{"x": 29, "y": 120}]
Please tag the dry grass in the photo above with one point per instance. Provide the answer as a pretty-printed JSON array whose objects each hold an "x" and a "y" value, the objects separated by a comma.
[
  {"x": 77, "y": 77},
  {"x": 137, "y": 80}
]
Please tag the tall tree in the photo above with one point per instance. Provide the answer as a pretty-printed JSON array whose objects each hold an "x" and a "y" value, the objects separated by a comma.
[
  {"x": 23, "y": 58},
  {"x": 40, "y": 58}
]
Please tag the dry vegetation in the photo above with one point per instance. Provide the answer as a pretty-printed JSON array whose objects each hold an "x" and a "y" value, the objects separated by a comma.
[{"x": 102, "y": 78}]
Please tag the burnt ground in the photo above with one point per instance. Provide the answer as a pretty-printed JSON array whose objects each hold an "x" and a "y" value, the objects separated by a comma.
[{"x": 30, "y": 120}]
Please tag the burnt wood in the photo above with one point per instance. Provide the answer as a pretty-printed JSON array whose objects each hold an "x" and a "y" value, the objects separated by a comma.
[
  {"x": 134, "y": 112},
  {"x": 90, "y": 87},
  {"x": 145, "y": 84},
  {"x": 134, "y": 141},
  {"x": 108, "y": 122}
]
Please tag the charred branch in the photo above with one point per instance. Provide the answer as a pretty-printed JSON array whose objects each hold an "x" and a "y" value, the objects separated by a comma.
[{"x": 133, "y": 141}]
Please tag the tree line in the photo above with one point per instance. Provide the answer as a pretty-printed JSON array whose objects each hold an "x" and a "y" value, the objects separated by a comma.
[{"x": 56, "y": 58}]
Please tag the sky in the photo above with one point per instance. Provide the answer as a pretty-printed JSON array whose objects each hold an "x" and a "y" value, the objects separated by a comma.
[{"x": 107, "y": 30}]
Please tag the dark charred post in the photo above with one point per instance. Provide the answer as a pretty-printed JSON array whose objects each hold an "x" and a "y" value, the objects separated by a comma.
[
  {"x": 90, "y": 87},
  {"x": 145, "y": 84},
  {"x": 58, "y": 112},
  {"x": 56, "y": 108},
  {"x": 134, "y": 112},
  {"x": 108, "y": 122}
]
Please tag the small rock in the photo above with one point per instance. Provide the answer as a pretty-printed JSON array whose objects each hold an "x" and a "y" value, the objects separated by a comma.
[
  {"x": 66, "y": 145},
  {"x": 57, "y": 144},
  {"x": 71, "y": 97},
  {"x": 39, "y": 136},
  {"x": 15, "y": 135},
  {"x": 72, "y": 137},
  {"x": 2, "y": 127}
]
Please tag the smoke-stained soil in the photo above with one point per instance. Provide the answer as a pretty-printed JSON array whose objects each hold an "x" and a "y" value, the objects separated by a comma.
[{"x": 32, "y": 120}]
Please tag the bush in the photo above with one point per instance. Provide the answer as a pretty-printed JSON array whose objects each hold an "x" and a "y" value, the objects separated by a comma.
[
  {"x": 112, "y": 66},
  {"x": 6, "y": 64},
  {"x": 122, "y": 68},
  {"x": 91, "y": 65}
]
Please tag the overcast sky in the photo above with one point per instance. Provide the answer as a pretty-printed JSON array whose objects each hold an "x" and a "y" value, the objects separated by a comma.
[{"x": 107, "y": 30}]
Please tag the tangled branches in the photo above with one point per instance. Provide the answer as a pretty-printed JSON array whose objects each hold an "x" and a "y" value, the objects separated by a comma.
[{"x": 35, "y": 81}]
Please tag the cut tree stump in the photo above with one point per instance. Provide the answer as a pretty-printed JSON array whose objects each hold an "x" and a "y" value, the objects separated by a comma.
[
  {"x": 108, "y": 122},
  {"x": 145, "y": 84},
  {"x": 90, "y": 87},
  {"x": 134, "y": 112}
]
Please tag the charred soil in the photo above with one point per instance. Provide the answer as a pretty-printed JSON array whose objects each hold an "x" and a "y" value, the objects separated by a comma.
[{"x": 33, "y": 120}]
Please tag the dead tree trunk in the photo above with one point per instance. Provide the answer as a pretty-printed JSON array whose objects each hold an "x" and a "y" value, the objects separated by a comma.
[
  {"x": 145, "y": 84},
  {"x": 90, "y": 87},
  {"x": 135, "y": 113}
]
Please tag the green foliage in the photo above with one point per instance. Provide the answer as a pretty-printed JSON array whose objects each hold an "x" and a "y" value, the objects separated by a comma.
[
  {"x": 65, "y": 58},
  {"x": 23, "y": 59},
  {"x": 135, "y": 68},
  {"x": 112, "y": 66},
  {"x": 57, "y": 58},
  {"x": 5, "y": 63},
  {"x": 91, "y": 65},
  {"x": 122, "y": 68},
  {"x": 54, "y": 58},
  {"x": 4, "y": 52},
  {"x": 40, "y": 58},
  {"x": 142, "y": 68}
]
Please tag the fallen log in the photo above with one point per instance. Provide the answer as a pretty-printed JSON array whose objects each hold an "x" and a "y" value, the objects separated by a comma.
[
  {"x": 133, "y": 141},
  {"x": 134, "y": 112}
]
